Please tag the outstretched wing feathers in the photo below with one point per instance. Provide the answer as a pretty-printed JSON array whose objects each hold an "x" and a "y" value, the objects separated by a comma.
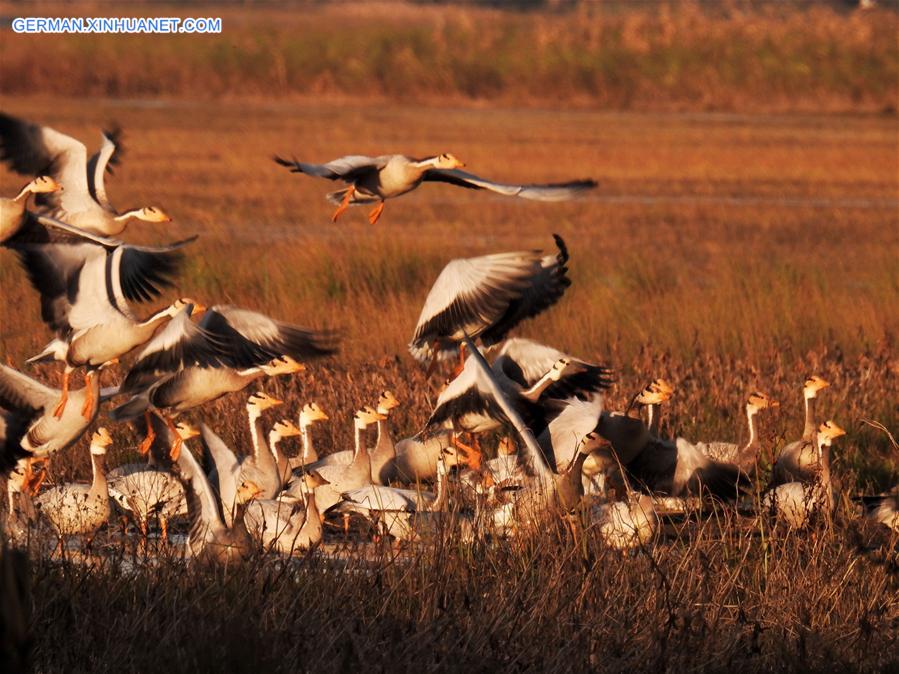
[{"x": 544, "y": 192}]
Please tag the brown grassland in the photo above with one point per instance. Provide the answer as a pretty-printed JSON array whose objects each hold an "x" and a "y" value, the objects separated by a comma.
[{"x": 726, "y": 252}]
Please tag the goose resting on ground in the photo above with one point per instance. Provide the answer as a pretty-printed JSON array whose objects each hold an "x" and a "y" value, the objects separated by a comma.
[
  {"x": 34, "y": 150},
  {"x": 376, "y": 179},
  {"x": 80, "y": 508},
  {"x": 795, "y": 502},
  {"x": 798, "y": 460},
  {"x": 12, "y": 211}
]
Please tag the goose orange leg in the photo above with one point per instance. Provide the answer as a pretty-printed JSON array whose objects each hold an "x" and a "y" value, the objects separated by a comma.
[
  {"x": 150, "y": 437},
  {"x": 175, "y": 451},
  {"x": 87, "y": 410},
  {"x": 64, "y": 398},
  {"x": 461, "y": 365},
  {"x": 472, "y": 456},
  {"x": 376, "y": 213},
  {"x": 345, "y": 204}
]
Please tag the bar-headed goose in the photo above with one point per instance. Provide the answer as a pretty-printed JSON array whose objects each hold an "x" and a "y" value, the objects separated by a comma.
[
  {"x": 151, "y": 488},
  {"x": 188, "y": 364},
  {"x": 85, "y": 283},
  {"x": 12, "y": 211},
  {"x": 883, "y": 509},
  {"x": 213, "y": 541},
  {"x": 486, "y": 297},
  {"x": 310, "y": 415},
  {"x": 795, "y": 502},
  {"x": 798, "y": 460},
  {"x": 287, "y": 524},
  {"x": 261, "y": 467},
  {"x": 80, "y": 508},
  {"x": 742, "y": 456},
  {"x": 372, "y": 180},
  {"x": 31, "y": 149},
  {"x": 342, "y": 478},
  {"x": 657, "y": 392},
  {"x": 628, "y": 524},
  {"x": 417, "y": 457},
  {"x": 283, "y": 428}
]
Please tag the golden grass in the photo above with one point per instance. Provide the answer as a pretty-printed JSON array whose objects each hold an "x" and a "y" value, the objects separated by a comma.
[{"x": 686, "y": 55}]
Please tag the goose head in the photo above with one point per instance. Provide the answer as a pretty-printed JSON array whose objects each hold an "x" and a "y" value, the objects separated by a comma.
[
  {"x": 196, "y": 308},
  {"x": 100, "y": 440},
  {"x": 40, "y": 185},
  {"x": 652, "y": 396},
  {"x": 152, "y": 214},
  {"x": 247, "y": 491},
  {"x": 366, "y": 417},
  {"x": 313, "y": 480},
  {"x": 447, "y": 161},
  {"x": 186, "y": 431},
  {"x": 760, "y": 401},
  {"x": 284, "y": 429},
  {"x": 386, "y": 402},
  {"x": 310, "y": 414},
  {"x": 282, "y": 365},
  {"x": 662, "y": 385},
  {"x": 563, "y": 368},
  {"x": 827, "y": 433},
  {"x": 814, "y": 384},
  {"x": 261, "y": 401}
]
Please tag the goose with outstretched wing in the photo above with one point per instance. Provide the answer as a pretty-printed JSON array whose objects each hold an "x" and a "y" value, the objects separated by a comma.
[
  {"x": 189, "y": 364},
  {"x": 376, "y": 179},
  {"x": 86, "y": 282},
  {"x": 32, "y": 149},
  {"x": 486, "y": 297}
]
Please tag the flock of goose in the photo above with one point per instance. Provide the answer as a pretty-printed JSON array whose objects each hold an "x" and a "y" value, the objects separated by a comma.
[{"x": 559, "y": 450}]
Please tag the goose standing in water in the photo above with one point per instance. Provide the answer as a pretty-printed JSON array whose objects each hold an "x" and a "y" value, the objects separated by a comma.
[
  {"x": 12, "y": 211},
  {"x": 744, "y": 457},
  {"x": 32, "y": 150},
  {"x": 187, "y": 364},
  {"x": 151, "y": 488},
  {"x": 211, "y": 540},
  {"x": 310, "y": 415},
  {"x": 341, "y": 478},
  {"x": 287, "y": 524},
  {"x": 795, "y": 502},
  {"x": 79, "y": 508},
  {"x": 373, "y": 180},
  {"x": 798, "y": 460}
]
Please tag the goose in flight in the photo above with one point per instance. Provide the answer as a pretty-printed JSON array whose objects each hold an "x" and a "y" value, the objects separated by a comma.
[
  {"x": 188, "y": 364},
  {"x": 31, "y": 149},
  {"x": 372, "y": 180},
  {"x": 486, "y": 297},
  {"x": 12, "y": 211},
  {"x": 85, "y": 283}
]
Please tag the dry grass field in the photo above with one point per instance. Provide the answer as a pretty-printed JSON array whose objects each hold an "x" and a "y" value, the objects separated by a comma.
[{"x": 725, "y": 251}]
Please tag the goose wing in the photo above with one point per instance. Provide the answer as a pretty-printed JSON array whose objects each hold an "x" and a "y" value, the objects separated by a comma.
[
  {"x": 465, "y": 395},
  {"x": 546, "y": 287},
  {"x": 525, "y": 361},
  {"x": 202, "y": 506},
  {"x": 250, "y": 338},
  {"x": 104, "y": 159},
  {"x": 545, "y": 192},
  {"x": 32, "y": 149},
  {"x": 181, "y": 343},
  {"x": 18, "y": 391},
  {"x": 226, "y": 466},
  {"x": 570, "y": 421},
  {"x": 85, "y": 279},
  {"x": 13, "y": 427},
  {"x": 349, "y": 168},
  {"x": 468, "y": 296},
  {"x": 378, "y": 498}
]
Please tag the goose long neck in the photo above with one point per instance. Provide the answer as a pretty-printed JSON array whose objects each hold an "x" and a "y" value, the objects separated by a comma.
[
  {"x": 439, "y": 502},
  {"x": 98, "y": 469},
  {"x": 654, "y": 418},
  {"x": 309, "y": 453},
  {"x": 283, "y": 462},
  {"x": 533, "y": 394},
  {"x": 385, "y": 450},
  {"x": 127, "y": 215},
  {"x": 22, "y": 196},
  {"x": 811, "y": 428},
  {"x": 753, "y": 428},
  {"x": 361, "y": 449}
]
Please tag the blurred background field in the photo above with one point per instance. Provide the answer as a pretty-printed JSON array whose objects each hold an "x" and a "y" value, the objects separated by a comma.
[{"x": 745, "y": 233}]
